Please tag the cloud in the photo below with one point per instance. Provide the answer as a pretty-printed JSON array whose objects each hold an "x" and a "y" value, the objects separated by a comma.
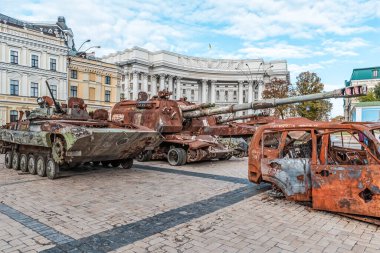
[
  {"x": 344, "y": 48},
  {"x": 278, "y": 51}
]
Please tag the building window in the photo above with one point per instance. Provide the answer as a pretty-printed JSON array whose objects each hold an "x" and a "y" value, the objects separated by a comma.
[
  {"x": 14, "y": 115},
  {"x": 123, "y": 78},
  {"x": 107, "y": 96},
  {"x": 74, "y": 91},
  {"x": 53, "y": 89},
  {"x": 108, "y": 80},
  {"x": 226, "y": 96},
  {"x": 53, "y": 64},
  {"x": 192, "y": 92},
  {"x": 74, "y": 74},
  {"x": 139, "y": 76},
  {"x": 184, "y": 91},
  {"x": 14, "y": 88},
  {"x": 14, "y": 57},
  {"x": 139, "y": 86},
  {"x": 217, "y": 95},
  {"x": 122, "y": 97},
  {"x": 374, "y": 73},
  {"x": 34, "y": 89},
  {"x": 149, "y": 87},
  {"x": 34, "y": 61},
  {"x": 92, "y": 93},
  {"x": 149, "y": 78}
]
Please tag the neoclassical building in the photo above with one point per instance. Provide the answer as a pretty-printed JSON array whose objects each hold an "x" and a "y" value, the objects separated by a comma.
[
  {"x": 202, "y": 80},
  {"x": 30, "y": 54}
]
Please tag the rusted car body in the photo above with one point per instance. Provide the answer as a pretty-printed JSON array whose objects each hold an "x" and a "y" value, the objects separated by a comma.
[{"x": 335, "y": 166}]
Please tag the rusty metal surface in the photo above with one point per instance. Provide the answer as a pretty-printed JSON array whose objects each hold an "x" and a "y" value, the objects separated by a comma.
[{"x": 306, "y": 162}]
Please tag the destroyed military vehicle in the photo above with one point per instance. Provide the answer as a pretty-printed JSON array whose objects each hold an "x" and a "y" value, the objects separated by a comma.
[
  {"x": 54, "y": 135},
  {"x": 335, "y": 166}
]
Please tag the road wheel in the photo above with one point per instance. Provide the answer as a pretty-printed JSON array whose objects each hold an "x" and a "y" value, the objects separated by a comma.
[
  {"x": 8, "y": 159},
  {"x": 177, "y": 156},
  {"x": 32, "y": 165},
  {"x": 52, "y": 169},
  {"x": 41, "y": 166},
  {"x": 106, "y": 163},
  {"x": 24, "y": 163},
  {"x": 58, "y": 150},
  {"x": 225, "y": 158},
  {"x": 115, "y": 163},
  {"x": 95, "y": 164},
  {"x": 144, "y": 156},
  {"x": 16, "y": 161},
  {"x": 127, "y": 163}
]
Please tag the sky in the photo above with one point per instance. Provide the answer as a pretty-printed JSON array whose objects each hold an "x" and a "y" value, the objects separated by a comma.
[{"x": 327, "y": 37}]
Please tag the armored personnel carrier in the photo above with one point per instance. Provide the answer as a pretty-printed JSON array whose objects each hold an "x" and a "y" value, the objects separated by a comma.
[
  {"x": 191, "y": 132},
  {"x": 55, "y": 135}
]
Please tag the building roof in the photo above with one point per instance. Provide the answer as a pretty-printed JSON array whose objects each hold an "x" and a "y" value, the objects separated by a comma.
[
  {"x": 367, "y": 104},
  {"x": 365, "y": 73}
]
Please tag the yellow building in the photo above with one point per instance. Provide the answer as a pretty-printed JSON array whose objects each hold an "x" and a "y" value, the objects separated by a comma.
[
  {"x": 30, "y": 54},
  {"x": 97, "y": 82}
]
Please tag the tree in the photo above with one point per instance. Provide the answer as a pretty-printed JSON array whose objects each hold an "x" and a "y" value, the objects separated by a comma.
[
  {"x": 376, "y": 91},
  {"x": 371, "y": 96},
  {"x": 309, "y": 83},
  {"x": 278, "y": 88}
]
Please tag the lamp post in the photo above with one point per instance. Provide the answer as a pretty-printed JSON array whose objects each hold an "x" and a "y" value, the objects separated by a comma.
[
  {"x": 86, "y": 41},
  {"x": 91, "y": 47}
]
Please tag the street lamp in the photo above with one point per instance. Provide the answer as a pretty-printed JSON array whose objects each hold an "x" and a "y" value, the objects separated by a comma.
[
  {"x": 90, "y": 48},
  {"x": 86, "y": 41}
]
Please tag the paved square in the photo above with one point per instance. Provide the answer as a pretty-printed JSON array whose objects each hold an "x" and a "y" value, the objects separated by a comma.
[{"x": 153, "y": 207}]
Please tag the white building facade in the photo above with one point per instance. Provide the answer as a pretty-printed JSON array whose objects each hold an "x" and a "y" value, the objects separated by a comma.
[
  {"x": 201, "y": 80},
  {"x": 30, "y": 54}
]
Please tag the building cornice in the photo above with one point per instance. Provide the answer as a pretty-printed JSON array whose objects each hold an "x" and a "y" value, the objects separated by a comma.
[
  {"x": 21, "y": 38},
  {"x": 29, "y": 70}
]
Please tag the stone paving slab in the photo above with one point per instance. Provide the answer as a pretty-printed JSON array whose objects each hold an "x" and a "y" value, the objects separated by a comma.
[{"x": 200, "y": 207}]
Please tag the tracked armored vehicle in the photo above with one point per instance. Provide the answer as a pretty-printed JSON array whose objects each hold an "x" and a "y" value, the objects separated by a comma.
[
  {"x": 191, "y": 132},
  {"x": 55, "y": 135}
]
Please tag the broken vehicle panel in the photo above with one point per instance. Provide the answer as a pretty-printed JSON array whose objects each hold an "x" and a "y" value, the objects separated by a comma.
[{"x": 335, "y": 166}]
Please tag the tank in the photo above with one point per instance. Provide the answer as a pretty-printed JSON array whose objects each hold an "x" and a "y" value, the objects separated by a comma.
[
  {"x": 55, "y": 136},
  {"x": 190, "y": 131}
]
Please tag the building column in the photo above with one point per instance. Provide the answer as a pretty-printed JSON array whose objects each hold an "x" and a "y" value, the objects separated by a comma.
[
  {"x": 44, "y": 62},
  {"x": 178, "y": 87},
  {"x": 3, "y": 55},
  {"x": 4, "y": 84},
  {"x": 135, "y": 85},
  {"x": 200, "y": 95},
  {"x": 260, "y": 86},
  {"x": 240, "y": 95},
  {"x": 23, "y": 59},
  {"x": 162, "y": 82},
  {"x": 204, "y": 91},
  {"x": 212, "y": 92},
  {"x": 170, "y": 85},
  {"x": 145, "y": 82},
  {"x": 153, "y": 85},
  {"x": 23, "y": 85},
  {"x": 250, "y": 91},
  {"x": 126, "y": 85}
]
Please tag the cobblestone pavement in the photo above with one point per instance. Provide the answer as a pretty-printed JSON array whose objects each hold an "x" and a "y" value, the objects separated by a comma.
[{"x": 153, "y": 207}]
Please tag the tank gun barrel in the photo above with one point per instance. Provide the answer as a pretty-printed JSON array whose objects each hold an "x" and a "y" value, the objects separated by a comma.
[
  {"x": 233, "y": 118},
  {"x": 352, "y": 91},
  {"x": 57, "y": 106},
  {"x": 187, "y": 108}
]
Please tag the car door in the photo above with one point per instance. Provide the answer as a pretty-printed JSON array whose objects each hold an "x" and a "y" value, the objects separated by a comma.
[{"x": 347, "y": 188}]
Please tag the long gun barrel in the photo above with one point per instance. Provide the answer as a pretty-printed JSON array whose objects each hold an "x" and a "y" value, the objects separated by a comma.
[
  {"x": 58, "y": 108},
  {"x": 353, "y": 91},
  {"x": 233, "y": 118},
  {"x": 186, "y": 108}
]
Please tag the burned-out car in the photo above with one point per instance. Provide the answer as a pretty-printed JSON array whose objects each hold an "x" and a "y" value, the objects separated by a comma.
[{"x": 335, "y": 166}]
